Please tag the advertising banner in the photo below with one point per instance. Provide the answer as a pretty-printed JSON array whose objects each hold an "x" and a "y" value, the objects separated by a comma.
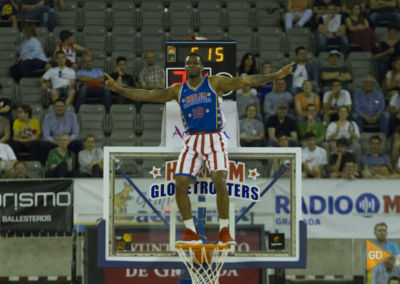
[{"x": 36, "y": 206}]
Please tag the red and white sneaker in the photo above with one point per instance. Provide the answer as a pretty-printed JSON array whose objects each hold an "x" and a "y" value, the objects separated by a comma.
[
  {"x": 189, "y": 238},
  {"x": 225, "y": 237}
]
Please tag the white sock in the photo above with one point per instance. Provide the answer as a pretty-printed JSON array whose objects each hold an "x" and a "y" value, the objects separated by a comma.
[
  {"x": 223, "y": 223},
  {"x": 190, "y": 224}
]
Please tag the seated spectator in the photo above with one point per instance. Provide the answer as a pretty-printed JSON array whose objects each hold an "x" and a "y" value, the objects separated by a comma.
[
  {"x": 332, "y": 30},
  {"x": 281, "y": 124},
  {"x": 279, "y": 96},
  {"x": 248, "y": 65},
  {"x": 92, "y": 84},
  {"x": 56, "y": 123},
  {"x": 302, "y": 70},
  {"x": 27, "y": 133},
  {"x": 349, "y": 171},
  {"x": 385, "y": 269},
  {"x": 305, "y": 98},
  {"x": 152, "y": 76},
  {"x": 320, "y": 7},
  {"x": 386, "y": 172},
  {"x": 8, "y": 12},
  {"x": 342, "y": 154},
  {"x": 369, "y": 106},
  {"x": 335, "y": 71},
  {"x": 7, "y": 161},
  {"x": 343, "y": 128},
  {"x": 383, "y": 11},
  {"x": 61, "y": 162},
  {"x": 298, "y": 12},
  {"x": 347, "y": 5},
  {"x": 314, "y": 158},
  {"x": 70, "y": 49},
  {"x": 358, "y": 30},
  {"x": 334, "y": 99},
  {"x": 394, "y": 280},
  {"x": 5, "y": 105},
  {"x": 31, "y": 55},
  {"x": 20, "y": 169},
  {"x": 5, "y": 132},
  {"x": 279, "y": 164},
  {"x": 36, "y": 10},
  {"x": 372, "y": 161},
  {"x": 251, "y": 129},
  {"x": 91, "y": 159},
  {"x": 385, "y": 51},
  {"x": 394, "y": 111},
  {"x": 266, "y": 69},
  {"x": 62, "y": 80},
  {"x": 311, "y": 123},
  {"x": 392, "y": 78},
  {"x": 123, "y": 79},
  {"x": 247, "y": 96}
]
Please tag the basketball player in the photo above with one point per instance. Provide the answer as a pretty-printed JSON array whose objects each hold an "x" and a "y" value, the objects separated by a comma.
[{"x": 200, "y": 100}]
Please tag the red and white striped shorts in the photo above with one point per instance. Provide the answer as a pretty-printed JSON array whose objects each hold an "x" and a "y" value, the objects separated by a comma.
[{"x": 200, "y": 148}]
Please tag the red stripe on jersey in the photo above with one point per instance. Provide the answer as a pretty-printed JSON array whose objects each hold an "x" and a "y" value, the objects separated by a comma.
[
  {"x": 202, "y": 144},
  {"x": 195, "y": 155},
  {"x": 213, "y": 151},
  {"x": 223, "y": 148},
  {"x": 184, "y": 155}
]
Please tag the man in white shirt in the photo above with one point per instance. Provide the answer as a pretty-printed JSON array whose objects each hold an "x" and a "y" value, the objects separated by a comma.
[
  {"x": 62, "y": 80},
  {"x": 334, "y": 99},
  {"x": 314, "y": 158},
  {"x": 7, "y": 160}
]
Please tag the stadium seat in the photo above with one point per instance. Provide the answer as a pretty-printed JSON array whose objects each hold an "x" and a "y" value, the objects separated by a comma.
[
  {"x": 360, "y": 64},
  {"x": 208, "y": 14},
  {"x": 122, "y": 117},
  {"x": 43, "y": 36},
  {"x": 94, "y": 14},
  {"x": 151, "y": 117},
  {"x": 269, "y": 39},
  {"x": 237, "y": 14},
  {"x": 299, "y": 37},
  {"x": 124, "y": 39},
  {"x": 71, "y": 17},
  {"x": 34, "y": 169},
  {"x": 180, "y": 33},
  {"x": 123, "y": 14},
  {"x": 151, "y": 13},
  {"x": 179, "y": 13},
  {"x": 30, "y": 92},
  {"x": 37, "y": 112},
  {"x": 246, "y": 41},
  {"x": 211, "y": 32},
  {"x": 92, "y": 117},
  {"x": 9, "y": 89},
  {"x": 150, "y": 138},
  {"x": 95, "y": 38},
  {"x": 151, "y": 38},
  {"x": 381, "y": 33},
  {"x": 7, "y": 59},
  {"x": 267, "y": 14},
  {"x": 8, "y": 37},
  {"x": 123, "y": 138}
]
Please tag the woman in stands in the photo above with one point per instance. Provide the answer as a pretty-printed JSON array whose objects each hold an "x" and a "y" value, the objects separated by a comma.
[
  {"x": 358, "y": 30},
  {"x": 60, "y": 161},
  {"x": 247, "y": 65},
  {"x": 27, "y": 132},
  {"x": 392, "y": 79}
]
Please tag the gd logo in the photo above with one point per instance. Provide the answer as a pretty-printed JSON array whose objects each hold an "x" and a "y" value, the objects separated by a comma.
[{"x": 374, "y": 255}]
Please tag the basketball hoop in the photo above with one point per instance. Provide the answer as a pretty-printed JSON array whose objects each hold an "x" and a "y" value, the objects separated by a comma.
[{"x": 204, "y": 262}]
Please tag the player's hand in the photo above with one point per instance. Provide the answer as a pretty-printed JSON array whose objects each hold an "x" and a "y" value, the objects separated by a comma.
[
  {"x": 111, "y": 84},
  {"x": 287, "y": 70}
]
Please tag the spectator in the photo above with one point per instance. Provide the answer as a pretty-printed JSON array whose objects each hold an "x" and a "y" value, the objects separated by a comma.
[
  {"x": 396, "y": 150},
  {"x": 248, "y": 65},
  {"x": 36, "y": 10},
  {"x": 383, "y": 11},
  {"x": 369, "y": 106},
  {"x": 62, "y": 81},
  {"x": 335, "y": 71},
  {"x": 334, "y": 99},
  {"x": 386, "y": 172},
  {"x": 20, "y": 169},
  {"x": 70, "y": 49},
  {"x": 349, "y": 171},
  {"x": 8, "y": 12},
  {"x": 280, "y": 124},
  {"x": 385, "y": 270},
  {"x": 7, "y": 161},
  {"x": 152, "y": 76},
  {"x": 305, "y": 98},
  {"x": 320, "y": 7},
  {"x": 5, "y": 132},
  {"x": 312, "y": 124},
  {"x": 279, "y": 96},
  {"x": 91, "y": 159},
  {"x": 358, "y": 30},
  {"x": 332, "y": 30},
  {"x": 385, "y": 51},
  {"x": 394, "y": 111},
  {"x": 381, "y": 231},
  {"x": 340, "y": 156},
  {"x": 372, "y": 161},
  {"x": 314, "y": 158},
  {"x": 123, "y": 79},
  {"x": 298, "y": 12},
  {"x": 5, "y": 105},
  {"x": 392, "y": 78},
  {"x": 56, "y": 123},
  {"x": 92, "y": 84},
  {"x": 266, "y": 69},
  {"x": 348, "y": 4},
  {"x": 245, "y": 97},
  {"x": 31, "y": 55},
  {"x": 61, "y": 161},
  {"x": 279, "y": 164},
  {"x": 251, "y": 129},
  {"x": 26, "y": 133},
  {"x": 303, "y": 70},
  {"x": 343, "y": 128},
  {"x": 394, "y": 280}
]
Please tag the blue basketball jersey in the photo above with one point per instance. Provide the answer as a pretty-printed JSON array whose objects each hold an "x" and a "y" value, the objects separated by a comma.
[{"x": 200, "y": 107}]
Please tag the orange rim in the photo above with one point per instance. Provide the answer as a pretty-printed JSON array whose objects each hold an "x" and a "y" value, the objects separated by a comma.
[{"x": 199, "y": 256}]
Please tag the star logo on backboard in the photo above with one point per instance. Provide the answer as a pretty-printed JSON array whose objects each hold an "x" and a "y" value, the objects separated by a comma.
[
  {"x": 156, "y": 172},
  {"x": 253, "y": 174}
]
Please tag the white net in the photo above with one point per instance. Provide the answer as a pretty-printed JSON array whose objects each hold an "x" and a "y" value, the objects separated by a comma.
[{"x": 204, "y": 265}]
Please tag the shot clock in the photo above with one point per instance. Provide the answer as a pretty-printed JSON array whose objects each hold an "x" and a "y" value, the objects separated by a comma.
[{"x": 219, "y": 59}]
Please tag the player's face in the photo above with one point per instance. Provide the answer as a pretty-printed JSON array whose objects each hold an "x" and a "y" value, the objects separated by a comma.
[{"x": 193, "y": 66}]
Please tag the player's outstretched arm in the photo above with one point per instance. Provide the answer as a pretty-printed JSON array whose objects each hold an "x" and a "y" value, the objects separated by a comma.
[
  {"x": 225, "y": 84},
  {"x": 142, "y": 95}
]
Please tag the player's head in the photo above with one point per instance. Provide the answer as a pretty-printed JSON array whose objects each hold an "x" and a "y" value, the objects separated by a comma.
[{"x": 193, "y": 65}]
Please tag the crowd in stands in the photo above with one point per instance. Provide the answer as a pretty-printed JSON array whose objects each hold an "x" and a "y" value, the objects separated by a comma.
[{"x": 320, "y": 108}]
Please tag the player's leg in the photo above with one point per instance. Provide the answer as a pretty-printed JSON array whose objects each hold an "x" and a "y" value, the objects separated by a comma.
[{"x": 182, "y": 198}]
